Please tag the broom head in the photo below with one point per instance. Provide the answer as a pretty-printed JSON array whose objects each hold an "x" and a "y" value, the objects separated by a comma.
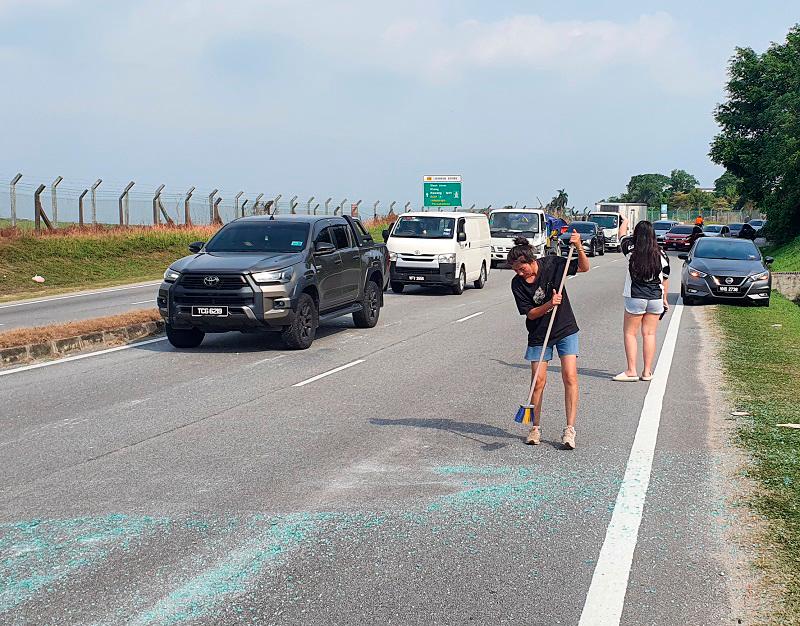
[{"x": 524, "y": 414}]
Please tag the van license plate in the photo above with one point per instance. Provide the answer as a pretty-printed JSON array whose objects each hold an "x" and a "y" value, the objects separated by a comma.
[
  {"x": 418, "y": 278},
  {"x": 209, "y": 311}
]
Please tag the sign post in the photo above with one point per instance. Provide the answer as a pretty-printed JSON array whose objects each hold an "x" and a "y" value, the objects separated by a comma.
[{"x": 441, "y": 192}]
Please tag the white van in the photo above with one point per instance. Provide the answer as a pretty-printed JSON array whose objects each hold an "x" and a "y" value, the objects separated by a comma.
[
  {"x": 448, "y": 249},
  {"x": 505, "y": 224}
]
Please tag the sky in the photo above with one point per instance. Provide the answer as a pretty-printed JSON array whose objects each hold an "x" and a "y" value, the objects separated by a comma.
[{"x": 360, "y": 99}]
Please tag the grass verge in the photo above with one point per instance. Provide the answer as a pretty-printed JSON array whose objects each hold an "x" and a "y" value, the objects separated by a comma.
[
  {"x": 761, "y": 356},
  {"x": 787, "y": 256},
  {"x": 41, "y": 334}
]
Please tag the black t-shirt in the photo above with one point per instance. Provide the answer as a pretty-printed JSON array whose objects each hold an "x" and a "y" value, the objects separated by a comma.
[{"x": 530, "y": 295}]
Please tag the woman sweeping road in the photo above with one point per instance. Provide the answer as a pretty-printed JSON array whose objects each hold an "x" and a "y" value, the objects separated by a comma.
[
  {"x": 535, "y": 288},
  {"x": 645, "y": 293}
]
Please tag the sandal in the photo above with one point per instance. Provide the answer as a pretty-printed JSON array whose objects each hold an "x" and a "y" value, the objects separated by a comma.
[
  {"x": 624, "y": 378},
  {"x": 647, "y": 379}
]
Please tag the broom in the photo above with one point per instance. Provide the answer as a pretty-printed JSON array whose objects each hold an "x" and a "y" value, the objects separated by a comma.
[{"x": 525, "y": 413}]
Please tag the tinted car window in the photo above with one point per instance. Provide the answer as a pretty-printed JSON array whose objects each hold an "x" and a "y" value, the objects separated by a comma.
[
  {"x": 662, "y": 225},
  {"x": 324, "y": 236},
  {"x": 340, "y": 237},
  {"x": 261, "y": 236},
  {"x": 582, "y": 227},
  {"x": 682, "y": 230}
]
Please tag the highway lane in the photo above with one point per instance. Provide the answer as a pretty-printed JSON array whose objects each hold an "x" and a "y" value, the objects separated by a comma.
[
  {"x": 153, "y": 486},
  {"x": 78, "y": 305}
]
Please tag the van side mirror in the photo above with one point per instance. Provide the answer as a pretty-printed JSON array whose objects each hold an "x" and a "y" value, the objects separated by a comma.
[
  {"x": 323, "y": 247},
  {"x": 385, "y": 234},
  {"x": 462, "y": 236},
  {"x": 769, "y": 260},
  {"x": 195, "y": 247},
  {"x": 683, "y": 256}
]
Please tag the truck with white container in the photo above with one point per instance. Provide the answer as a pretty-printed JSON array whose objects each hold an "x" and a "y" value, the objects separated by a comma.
[
  {"x": 506, "y": 224},
  {"x": 617, "y": 219}
]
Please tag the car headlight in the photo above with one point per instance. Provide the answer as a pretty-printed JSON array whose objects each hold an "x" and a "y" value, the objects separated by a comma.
[
  {"x": 170, "y": 276},
  {"x": 696, "y": 273},
  {"x": 761, "y": 276},
  {"x": 277, "y": 276},
  {"x": 393, "y": 256},
  {"x": 447, "y": 258}
]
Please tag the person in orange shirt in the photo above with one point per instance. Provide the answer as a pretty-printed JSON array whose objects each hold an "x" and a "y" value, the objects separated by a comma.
[{"x": 699, "y": 221}]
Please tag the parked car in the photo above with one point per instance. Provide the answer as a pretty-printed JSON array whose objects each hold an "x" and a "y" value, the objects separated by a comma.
[
  {"x": 283, "y": 274},
  {"x": 725, "y": 269},
  {"x": 716, "y": 230},
  {"x": 758, "y": 225},
  {"x": 682, "y": 237},
  {"x": 743, "y": 231},
  {"x": 662, "y": 227},
  {"x": 443, "y": 249},
  {"x": 592, "y": 238}
]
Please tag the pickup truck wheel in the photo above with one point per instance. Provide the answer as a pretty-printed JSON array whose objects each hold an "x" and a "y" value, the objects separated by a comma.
[
  {"x": 300, "y": 334},
  {"x": 398, "y": 287},
  {"x": 367, "y": 317},
  {"x": 482, "y": 279},
  {"x": 459, "y": 287},
  {"x": 184, "y": 337}
]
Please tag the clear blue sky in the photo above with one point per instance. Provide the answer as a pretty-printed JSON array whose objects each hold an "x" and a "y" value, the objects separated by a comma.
[{"x": 362, "y": 98}]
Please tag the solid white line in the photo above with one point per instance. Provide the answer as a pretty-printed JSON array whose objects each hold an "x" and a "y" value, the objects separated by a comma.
[
  {"x": 78, "y": 357},
  {"x": 78, "y": 295},
  {"x": 323, "y": 375},
  {"x": 143, "y": 302},
  {"x": 468, "y": 317},
  {"x": 272, "y": 358},
  {"x": 606, "y": 598}
]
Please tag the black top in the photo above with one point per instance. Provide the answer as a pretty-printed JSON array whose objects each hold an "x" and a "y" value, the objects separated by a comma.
[
  {"x": 644, "y": 289},
  {"x": 530, "y": 295}
]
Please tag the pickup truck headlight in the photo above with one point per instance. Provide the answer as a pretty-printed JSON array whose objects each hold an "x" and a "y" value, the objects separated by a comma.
[
  {"x": 761, "y": 276},
  {"x": 170, "y": 276},
  {"x": 393, "y": 256},
  {"x": 696, "y": 273},
  {"x": 277, "y": 276},
  {"x": 447, "y": 258}
]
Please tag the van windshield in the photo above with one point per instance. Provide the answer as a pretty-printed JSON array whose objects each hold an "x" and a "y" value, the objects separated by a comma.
[
  {"x": 507, "y": 224},
  {"x": 424, "y": 227}
]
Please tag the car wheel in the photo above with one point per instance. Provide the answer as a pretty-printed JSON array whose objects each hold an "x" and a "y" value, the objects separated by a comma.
[
  {"x": 398, "y": 287},
  {"x": 603, "y": 250},
  {"x": 482, "y": 279},
  {"x": 184, "y": 337},
  {"x": 459, "y": 287},
  {"x": 299, "y": 335},
  {"x": 592, "y": 250},
  {"x": 367, "y": 317},
  {"x": 493, "y": 264}
]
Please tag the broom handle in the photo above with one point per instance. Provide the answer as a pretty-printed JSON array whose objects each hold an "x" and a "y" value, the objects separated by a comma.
[{"x": 550, "y": 325}]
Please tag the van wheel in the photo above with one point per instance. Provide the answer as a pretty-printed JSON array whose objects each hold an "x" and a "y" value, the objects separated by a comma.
[
  {"x": 493, "y": 264},
  {"x": 299, "y": 335},
  {"x": 367, "y": 317},
  {"x": 397, "y": 287},
  {"x": 482, "y": 279},
  {"x": 184, "y": 337},
  {"x": 459, "y": 287}
]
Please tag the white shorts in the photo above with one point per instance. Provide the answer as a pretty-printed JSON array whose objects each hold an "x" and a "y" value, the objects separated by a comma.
[{"x": 640, "y": 306}]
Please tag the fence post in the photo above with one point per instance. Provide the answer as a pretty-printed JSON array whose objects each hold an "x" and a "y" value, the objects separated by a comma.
[
  {"x": 211, "y": 204},
  {"x": 275, "y": 206},
  {"x": 37, "y": 208},
  {"x": 80, "y": 207},
  {"x": 308, "y": 205},
  {"x": 257, "y": 202},
  {"x": 327, "y": 205},
  {"x": 54, "y": 199},
  {"x": 217, "y": 218},
  {"x": 94, "y": 200},
  {"x": 123, "y": 204},
  {"x": 316, "y": 206},
  {"x": 187, "y": 207},
  {"x": 156, "y": 195},
  {"x": 293, "y": 204},
  {"x": 375, "y": 210},
  {"x": 472, "y": 207},
  {"x": 236, "y": 204},
  {"x": 391, "y": 208},
  {"x": 408, "y": 205},
  {"x": 14, "y": 182},
  {"x": 340, "y": 207},
  {"x": 354, "y": 209}
]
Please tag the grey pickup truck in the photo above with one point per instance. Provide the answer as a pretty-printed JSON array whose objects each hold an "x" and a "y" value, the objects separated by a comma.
[{"x": 283, "y": 274}]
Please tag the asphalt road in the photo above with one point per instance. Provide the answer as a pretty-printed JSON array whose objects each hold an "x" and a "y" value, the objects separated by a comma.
[
  {"x": 232, "y": 484},
  {"x": 80, "y": 305}
]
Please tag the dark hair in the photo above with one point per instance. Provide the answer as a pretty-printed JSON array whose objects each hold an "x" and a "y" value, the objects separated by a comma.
[
  {"x": 522, "y": 252},
  {"x": 645, "y": 262}
]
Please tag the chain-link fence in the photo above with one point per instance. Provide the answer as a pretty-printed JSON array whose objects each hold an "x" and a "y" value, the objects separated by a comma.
[{"x": 710, "y": 216}]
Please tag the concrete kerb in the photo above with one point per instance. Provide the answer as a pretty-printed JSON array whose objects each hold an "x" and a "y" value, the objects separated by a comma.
[{"x": 63, "y": 347}]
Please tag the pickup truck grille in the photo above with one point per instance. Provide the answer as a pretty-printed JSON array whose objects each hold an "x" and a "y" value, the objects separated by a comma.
[
  {"x": 224, "y": 281},
  {"x": 214, "y": 298}
]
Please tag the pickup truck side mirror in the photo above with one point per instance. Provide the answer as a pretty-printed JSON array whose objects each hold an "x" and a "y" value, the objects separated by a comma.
[
  {"x": 323, "y": 247},
  {"x": 385, "y": 234},
  {"x": 462, "y": 236},
  {"x": 683, "y": 256},
  {"x": 195, "y": 247},
  {"x": 768, "y": 260}
]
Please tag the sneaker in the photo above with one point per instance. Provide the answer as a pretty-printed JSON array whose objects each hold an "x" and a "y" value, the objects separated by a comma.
[
  {"x": 568, "y": 438},
  {"x": 534, "y": 437}
]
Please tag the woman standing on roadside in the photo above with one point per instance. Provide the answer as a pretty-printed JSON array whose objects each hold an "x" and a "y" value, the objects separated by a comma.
[{"x": 646, "y": 287}]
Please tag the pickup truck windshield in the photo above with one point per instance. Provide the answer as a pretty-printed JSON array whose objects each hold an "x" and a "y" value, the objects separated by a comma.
[
  {"x": 605, "y": 221},
  {"x": 425, "y": 227},
  {"x": 261, "y": 236},
  {"x": 509, "y": 224}
]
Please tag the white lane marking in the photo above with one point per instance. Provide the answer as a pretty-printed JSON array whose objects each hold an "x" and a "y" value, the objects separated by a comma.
[
  {"x": 391, "y": 324},
  {"x": 468, "y": 317},
  {"x": 78, "y": 295},
  {"x": 143, "y": 302},
  {"x": 78, "y": 357},
  {"x": 272, "y": 358},
  {"x": 328, "y": 373},
  {"x": 606, "y": 598}
]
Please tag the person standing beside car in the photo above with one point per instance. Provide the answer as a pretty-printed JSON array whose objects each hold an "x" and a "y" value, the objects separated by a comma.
[{"x": 645, "y": 293}]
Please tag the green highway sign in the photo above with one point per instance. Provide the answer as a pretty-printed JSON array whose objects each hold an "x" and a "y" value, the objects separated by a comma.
[{"x": 441, "y": 191}]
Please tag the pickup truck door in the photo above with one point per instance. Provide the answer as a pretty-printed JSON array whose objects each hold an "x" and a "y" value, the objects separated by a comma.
[
  {"x": 347, "y": 247},
  {"x": 329, "y": 272}
]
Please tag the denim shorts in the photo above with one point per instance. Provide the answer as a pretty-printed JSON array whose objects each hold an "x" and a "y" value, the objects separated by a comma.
[
  {"x": 640, "y": 306},
  {"x": 566, "y": 346}
]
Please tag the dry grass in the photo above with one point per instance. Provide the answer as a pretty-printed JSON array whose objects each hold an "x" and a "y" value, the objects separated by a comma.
[
  {"x": 41, "y": 334},
  {"x": 103, "y": 231}
]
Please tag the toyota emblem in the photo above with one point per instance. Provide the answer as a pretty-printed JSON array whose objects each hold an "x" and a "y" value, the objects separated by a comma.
[
  {"x": 211, "y": 281},
  {"x": 417, "y": 252},
  {"x": 729, "y": 281}
]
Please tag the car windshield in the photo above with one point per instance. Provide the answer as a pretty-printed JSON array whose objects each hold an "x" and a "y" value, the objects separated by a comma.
[
  {"x": 730, "y": 249},
  {"x": 260, "y": 236},
  {"x": 501, "y": 223},
  {"x": 581, "y": 227},
  {"x": 712, "y": 228},
  {"x": 605, "y": 221},
  {"x": 736, "y": 226},
  {"x": 682, "y": 230},
  {"x": 662, "y": 225},
  {"x": 757, "y": 223},
  {"x": 418, "y": 227}
]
